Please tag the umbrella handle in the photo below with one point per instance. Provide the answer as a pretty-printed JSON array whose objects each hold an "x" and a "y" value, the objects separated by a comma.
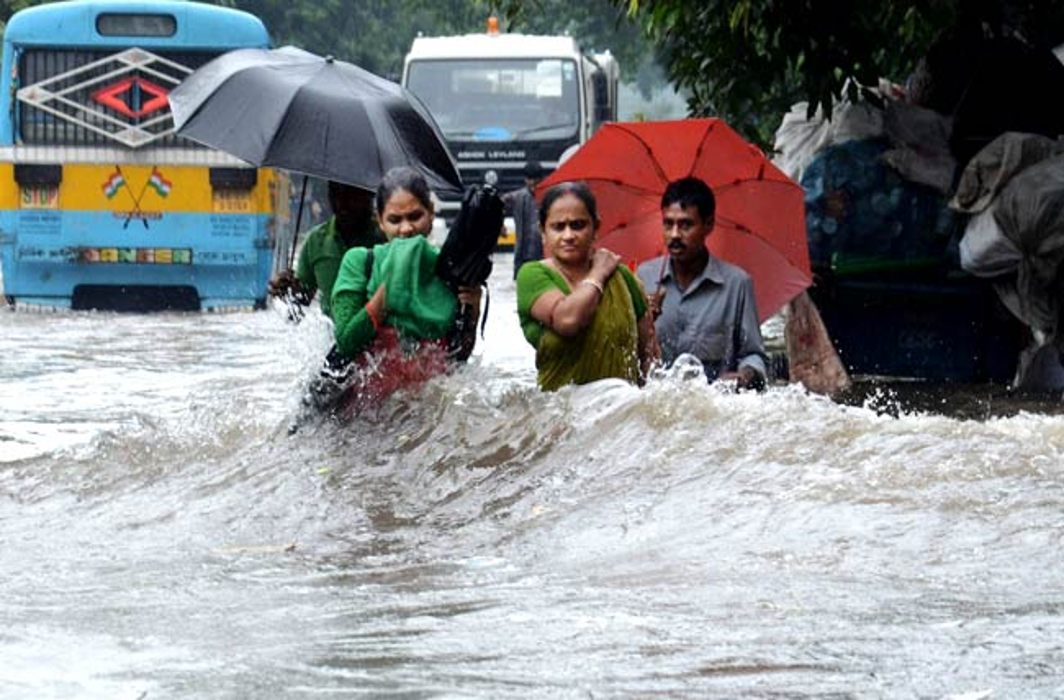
[
  {"x": 661, "y": 280},
  {"x": 294, "y": 308},
  {"x": 299, "y": 221}
]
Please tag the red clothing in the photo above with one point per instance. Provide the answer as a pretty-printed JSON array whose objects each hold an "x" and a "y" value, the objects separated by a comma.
[{"x": 389, "y": 365}]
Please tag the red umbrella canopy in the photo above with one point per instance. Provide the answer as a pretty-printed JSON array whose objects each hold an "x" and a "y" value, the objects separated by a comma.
[{"x": 760, "y": 217}]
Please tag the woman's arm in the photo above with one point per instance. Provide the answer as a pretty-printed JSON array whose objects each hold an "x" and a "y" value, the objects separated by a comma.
[
  {"x": 569, "y": 314},
  {"x": 354, "y": 318}
]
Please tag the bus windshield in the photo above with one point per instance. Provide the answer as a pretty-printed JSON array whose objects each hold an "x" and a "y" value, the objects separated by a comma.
[{"x": 499, "y": 100}]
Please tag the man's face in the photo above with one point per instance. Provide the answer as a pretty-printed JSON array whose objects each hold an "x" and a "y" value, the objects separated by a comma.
[
  {"x": 685, "y": 232},
  {"x": 351, "y": 205}
]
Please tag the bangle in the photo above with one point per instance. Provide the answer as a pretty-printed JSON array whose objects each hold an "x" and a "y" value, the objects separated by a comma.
[
  {"x": 592, "y": 283},
  {"x": 373, "y": 318}
]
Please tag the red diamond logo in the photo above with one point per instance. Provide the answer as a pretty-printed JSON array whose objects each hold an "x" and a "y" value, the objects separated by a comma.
[{"x": 118, "y": 97}]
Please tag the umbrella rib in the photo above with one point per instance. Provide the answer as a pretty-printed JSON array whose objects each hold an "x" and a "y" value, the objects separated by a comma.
[
  {"x": 742, "y": 180},
  {"x": 650, "y": 152},
  {"x": 623, "y": 185},
  {"x": 701, "y": 146},
  {"x": 760, "y": 171},
  {"x": 740, "y": 228},
  {"x": 646, "y": 190}
]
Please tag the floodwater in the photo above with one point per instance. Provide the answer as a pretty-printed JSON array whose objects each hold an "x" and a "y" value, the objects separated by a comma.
[{"x": 162, "y": 535}]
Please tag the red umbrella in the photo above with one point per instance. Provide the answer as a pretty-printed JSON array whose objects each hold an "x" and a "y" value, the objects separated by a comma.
[{"x": 760, "y": 222}]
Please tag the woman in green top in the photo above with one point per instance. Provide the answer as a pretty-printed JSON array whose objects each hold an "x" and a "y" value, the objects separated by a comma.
[
  {"x": 582, "y": 310},
  {"x": 390, "y": 310}
]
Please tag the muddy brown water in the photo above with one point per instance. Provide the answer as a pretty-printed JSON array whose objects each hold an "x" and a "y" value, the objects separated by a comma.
[{"x": 162, "y": 535}]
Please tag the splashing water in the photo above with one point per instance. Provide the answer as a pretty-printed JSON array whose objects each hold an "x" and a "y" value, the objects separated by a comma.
[{"x": 162, "y": 535}]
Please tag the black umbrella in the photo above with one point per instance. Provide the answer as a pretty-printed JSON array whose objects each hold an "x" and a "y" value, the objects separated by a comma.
[{"x": 292, "y": 109}]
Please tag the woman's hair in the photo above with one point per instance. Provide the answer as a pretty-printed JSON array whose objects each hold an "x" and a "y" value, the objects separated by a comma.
[
  {"x": 403, "y": 178},
  {"x": 578, "y": 189}
]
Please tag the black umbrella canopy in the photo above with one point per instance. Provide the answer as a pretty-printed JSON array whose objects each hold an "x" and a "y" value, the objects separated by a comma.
[{"x": 292, "y": 109}]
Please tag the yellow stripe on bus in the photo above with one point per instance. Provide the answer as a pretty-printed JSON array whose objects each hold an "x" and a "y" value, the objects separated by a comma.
[{"x": 121, "y": 188}]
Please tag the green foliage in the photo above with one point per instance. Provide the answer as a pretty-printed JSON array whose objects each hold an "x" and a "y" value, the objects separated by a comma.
[
  {"x": 749, "y": 60},
  {"x": 376, "y": 34},
  {"x": 10, "y": 7},
  {"x": 597, "y": 24}
]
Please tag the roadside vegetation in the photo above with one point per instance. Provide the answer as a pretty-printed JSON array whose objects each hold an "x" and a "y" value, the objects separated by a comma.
[{"x": 747, "y": 61}]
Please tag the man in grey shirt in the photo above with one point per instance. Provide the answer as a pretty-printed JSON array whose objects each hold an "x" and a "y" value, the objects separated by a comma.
[
  {"x": 702, "y": 305},
  {"x": 521, "y": 205}
]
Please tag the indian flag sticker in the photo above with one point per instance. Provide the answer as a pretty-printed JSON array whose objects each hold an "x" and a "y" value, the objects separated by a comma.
[
  {"x": 113, "y": 183},
  {"x": 160, "y": 184}
]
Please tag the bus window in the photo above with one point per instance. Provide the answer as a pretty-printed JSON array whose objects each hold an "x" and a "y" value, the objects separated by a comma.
[{"x": 116, "y": 24}]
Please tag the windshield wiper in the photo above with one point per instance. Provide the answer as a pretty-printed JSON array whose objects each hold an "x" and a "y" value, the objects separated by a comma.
[
  {"x": 545, "y": 127},
  {"x": 524, "y": 132}
]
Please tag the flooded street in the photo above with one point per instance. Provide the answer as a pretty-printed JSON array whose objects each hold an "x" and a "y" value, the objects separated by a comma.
[{"x": 162, "y": 534}]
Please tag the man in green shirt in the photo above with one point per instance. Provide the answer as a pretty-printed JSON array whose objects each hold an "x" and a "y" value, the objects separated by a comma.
[{"x": 350, "y": 226}]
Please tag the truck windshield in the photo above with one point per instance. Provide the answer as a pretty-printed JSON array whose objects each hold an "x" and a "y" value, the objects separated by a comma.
[{"x": 499, "y": 100}]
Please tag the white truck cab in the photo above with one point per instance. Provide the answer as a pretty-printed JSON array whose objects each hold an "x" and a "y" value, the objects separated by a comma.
[{"x": 503, "y": 100}]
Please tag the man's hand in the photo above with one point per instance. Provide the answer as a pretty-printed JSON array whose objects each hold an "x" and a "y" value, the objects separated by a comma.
[
  {"x": 654, "y": 302},
  {"x": 470, "y": 297},
  {"x": 746, "y": 379},
  {"x": 749, "y": 378},
  {"x": 280, "y": 284}
]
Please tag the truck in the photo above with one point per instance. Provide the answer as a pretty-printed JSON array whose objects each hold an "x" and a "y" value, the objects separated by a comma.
[{"x": 502, "y": 100}]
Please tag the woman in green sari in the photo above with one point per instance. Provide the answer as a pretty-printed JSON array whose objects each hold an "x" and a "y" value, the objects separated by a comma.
[
  {"x": 393, "y": 316},
  {"x": 584, "y": 312}
]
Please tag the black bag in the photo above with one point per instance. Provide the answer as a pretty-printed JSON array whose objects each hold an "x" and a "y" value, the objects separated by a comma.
[{"x": 465, "y": 259}]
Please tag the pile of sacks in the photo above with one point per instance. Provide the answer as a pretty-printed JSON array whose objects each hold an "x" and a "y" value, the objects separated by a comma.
[
  {"x": 939, "y": 177},
  {"x": 1013, "y": 192}
]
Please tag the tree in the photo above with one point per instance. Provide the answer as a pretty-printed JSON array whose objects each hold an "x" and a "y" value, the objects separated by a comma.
[
  {"x": 10, "y": 7},
  {"x": 376, "y": 34},
  {"x": 749, "y": 60},
  {"x": 596, "y": 24}
]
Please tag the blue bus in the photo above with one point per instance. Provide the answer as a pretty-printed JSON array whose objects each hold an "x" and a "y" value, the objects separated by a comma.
[{"x": 101, "y": 205}]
